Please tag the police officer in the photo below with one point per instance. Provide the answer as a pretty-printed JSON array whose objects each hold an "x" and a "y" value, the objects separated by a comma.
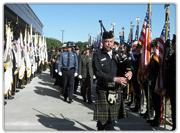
[
  {"x": 67, "y": 68},
  {"x": 86, "y": 74},
  {"x": 107, "y": 103},
  {"x": 135, "y": 83},
  {"x": 56, "y": 57},
  {"x": 171, "y": 81},
  {"x": 51, "y": 54},
  {"x": 76, "y": 80},
  {"x": 64, "y": 49},
  {"x": 115, "y": 47}
]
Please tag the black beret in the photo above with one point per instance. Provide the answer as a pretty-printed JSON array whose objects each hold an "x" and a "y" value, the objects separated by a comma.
[{"x": 108, "y": 34}]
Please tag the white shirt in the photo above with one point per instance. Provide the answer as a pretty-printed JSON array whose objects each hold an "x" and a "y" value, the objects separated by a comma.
[{"x": 110, "y": 54}]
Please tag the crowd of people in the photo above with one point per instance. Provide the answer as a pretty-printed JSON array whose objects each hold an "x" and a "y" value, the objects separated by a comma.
[
  {"x": 71, "y": 68},
  {"x": 116, "y": 80},
  {"x": 115, "y": 73}
]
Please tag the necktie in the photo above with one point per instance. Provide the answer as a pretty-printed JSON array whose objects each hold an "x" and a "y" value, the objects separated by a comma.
[{"x": 68, "y": 59}]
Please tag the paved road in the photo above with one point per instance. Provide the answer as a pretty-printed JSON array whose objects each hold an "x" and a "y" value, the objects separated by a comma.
[{"x": 38, "y": 107}]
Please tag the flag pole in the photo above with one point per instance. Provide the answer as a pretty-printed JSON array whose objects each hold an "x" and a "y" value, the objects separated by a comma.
[
  {"x": 149, "y": 37},
  {"x": 164, "y": 62}
]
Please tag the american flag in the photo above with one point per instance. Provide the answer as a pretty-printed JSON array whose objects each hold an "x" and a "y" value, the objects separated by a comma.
[
  {"x": 101, "y": 44},
  {"x": 144, "y": 41},
  {"x": 159, "y": 57},
  {"x": 130, "y": 35}
]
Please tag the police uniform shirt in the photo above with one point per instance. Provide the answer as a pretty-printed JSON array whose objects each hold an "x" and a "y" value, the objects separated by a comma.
[{"x": 63, "y": 61}]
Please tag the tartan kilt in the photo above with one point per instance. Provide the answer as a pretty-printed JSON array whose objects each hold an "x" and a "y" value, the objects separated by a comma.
[{"x": 104, "y": 111}]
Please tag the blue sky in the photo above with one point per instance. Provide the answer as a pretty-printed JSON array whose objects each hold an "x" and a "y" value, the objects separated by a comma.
[{"x": 78, "y": 20}]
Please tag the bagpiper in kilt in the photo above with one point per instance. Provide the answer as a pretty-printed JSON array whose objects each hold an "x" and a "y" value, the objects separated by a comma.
[
  {"x": 103, "y": 108},
  {"x": 106, "y": 63}
]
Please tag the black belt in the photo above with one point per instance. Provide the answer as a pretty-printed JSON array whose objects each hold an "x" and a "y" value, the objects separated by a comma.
[
  {"x": 107, "y": 85},
  {"x": 67, "y": 69}
]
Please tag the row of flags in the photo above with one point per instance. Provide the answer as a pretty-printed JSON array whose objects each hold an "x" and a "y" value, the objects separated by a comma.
[
  {"x": 159, "y": 54},
  {"x": 28, "y": 53}
]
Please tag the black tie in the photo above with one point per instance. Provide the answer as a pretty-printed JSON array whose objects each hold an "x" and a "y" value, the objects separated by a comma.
[{"x": 68, "y": 59}]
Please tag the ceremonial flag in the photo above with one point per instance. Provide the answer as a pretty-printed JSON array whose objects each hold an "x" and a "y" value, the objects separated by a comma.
[
  {"x": 8, "y": 63},
  {"x": 28, "y": 60},
  {"x": 134, "y": 44},
  {"x": 121, "y": 46},
  {"x": 101, "y": 44},
  {"x": 89, "y": 39},
  {"x": 144, "y": 41},
  {"x": 160, "y": 57},
  {"x": 18, "y": 59},
  {"x": 8, "y": 42},
  {"x": 130, "y": 36}
]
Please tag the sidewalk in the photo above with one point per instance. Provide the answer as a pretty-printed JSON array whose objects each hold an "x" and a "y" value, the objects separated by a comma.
[{"x": 38, "y": 107}]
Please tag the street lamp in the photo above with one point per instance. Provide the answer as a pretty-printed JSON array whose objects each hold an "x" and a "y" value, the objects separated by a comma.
[{"x": 62, "y": 35}]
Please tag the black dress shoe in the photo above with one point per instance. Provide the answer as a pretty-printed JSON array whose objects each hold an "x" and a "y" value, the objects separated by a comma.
[
  {"x": 155, "y": 124},
  {"x": 70, "y": 101},
  {"x": 90, "y": 102},
  {"x": 20, "y": 87},
  {"x": 150, "y": 121},
  {"x": 145, "y": 116},
  {"x": 84, "y": 99},
  {"x": 65, "y": 99},
  {"x": 136, "y": 109},
  {"x": 17, "y": 90},
  {"x": 10, "y": 97}
]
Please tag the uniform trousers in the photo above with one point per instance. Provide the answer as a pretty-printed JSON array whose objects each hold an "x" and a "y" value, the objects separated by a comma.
[
  {"x": 68, "y": 81},
  {"x": 87, "y": 83},
  {"x": 50, "y": 66},
  {"x": 76, "y": 82},
  {"x": 137, "y": 90}
]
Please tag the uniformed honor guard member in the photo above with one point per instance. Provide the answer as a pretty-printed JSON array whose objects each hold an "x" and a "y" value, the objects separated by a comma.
[
  {"x": 56, "y": 57},
  {"x": 171, "y": 81},
  {"x": 52, "y": 53},
  {"x": 86, "y": 74},
  {"x": 64, "y": 49},
  {"x": 67, "y": 68},
  {"x": 135, "y": 83},
  {"x": 115, "y": 47},
  {"x": 108, "y": 94},
  {"x": 76, "y": 80}
]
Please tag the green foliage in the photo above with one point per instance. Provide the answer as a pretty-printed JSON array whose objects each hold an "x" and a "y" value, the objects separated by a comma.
[{"x": 51, "y": 42}]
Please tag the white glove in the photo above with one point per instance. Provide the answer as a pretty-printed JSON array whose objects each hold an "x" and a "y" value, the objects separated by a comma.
[
  {"x": 75, "y": 74},
  {"x": 60, "y": 73},
  {"x": 80, "y": 76},
  {"x": 56, "y": 70},
  {"x": 94, "y": 77}
]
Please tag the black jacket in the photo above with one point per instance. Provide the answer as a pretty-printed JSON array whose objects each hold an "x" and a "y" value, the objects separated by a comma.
[{"x": 105, "y": 68}]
